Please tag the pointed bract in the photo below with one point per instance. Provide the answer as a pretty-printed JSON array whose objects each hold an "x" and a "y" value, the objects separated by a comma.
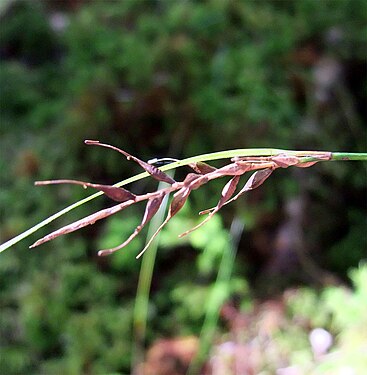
[
  {"x": 178, "y": 201},
  {"x": 228, "y": 191},
  {"x": 202, "y": 168},
  {"x": 256, "y": 179},
  {"x": 151, "y": 169},
  {"x": 118, "y": 194},
  {"x": 152, "y": 208}
]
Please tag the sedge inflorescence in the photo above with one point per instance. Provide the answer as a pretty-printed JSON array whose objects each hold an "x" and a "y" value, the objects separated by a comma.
[{"x": 202, "y": 173}]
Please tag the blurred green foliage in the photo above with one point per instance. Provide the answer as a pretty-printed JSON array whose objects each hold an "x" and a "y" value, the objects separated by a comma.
[
  {"x": 342, "y": 313},
  {"x": 167, "y": 78}
]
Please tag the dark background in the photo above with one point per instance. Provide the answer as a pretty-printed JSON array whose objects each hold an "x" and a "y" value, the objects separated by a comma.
[{"x": 178, "y": 79}]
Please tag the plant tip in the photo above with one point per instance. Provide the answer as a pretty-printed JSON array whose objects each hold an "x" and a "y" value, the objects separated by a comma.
[
  {"x": 102, "y": 253},
  {"x": 90, "y": 142}
]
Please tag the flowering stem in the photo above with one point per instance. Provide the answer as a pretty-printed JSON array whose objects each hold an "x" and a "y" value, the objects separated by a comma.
[{"x": 251, "y": 152}]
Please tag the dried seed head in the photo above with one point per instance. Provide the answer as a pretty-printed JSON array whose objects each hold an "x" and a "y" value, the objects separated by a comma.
[{"x": 264, "y": 166}]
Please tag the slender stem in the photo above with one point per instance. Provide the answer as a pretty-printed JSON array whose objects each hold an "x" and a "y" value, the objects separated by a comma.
[
  {"x": 143, "y": 290},
  {"x": 218, "y": 296},
  {"x": 361, "y": 156}
]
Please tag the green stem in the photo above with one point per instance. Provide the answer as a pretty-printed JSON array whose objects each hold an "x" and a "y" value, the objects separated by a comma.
[
  {"x": 141, "y": 307},
  {"x": 361, "y": 156},
  {"x": 218, "y": 296}
]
